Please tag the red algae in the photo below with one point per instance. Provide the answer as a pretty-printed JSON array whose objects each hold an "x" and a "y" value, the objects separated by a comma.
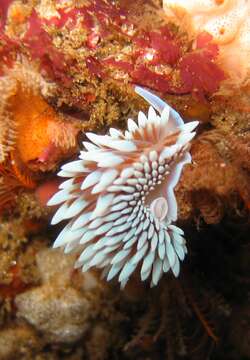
[
  {"x": 144, "y": 76},
  {"x": 95, "y": 67},
  {"x": 165, "y": 46},
  {"x": 160, "y": 62},
  {"x": 198, "y": 71},
  {"x": 159, "y": 53},
  {"x": 40, "y": 46},
  {"x": 4, "y": 6}
]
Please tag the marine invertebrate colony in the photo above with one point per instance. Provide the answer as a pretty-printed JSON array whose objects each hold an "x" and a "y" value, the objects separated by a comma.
[
  {"x": 37, "y": 135},
  {"x": 120, "y": 198},
  {"x": 33, "y": 139}
]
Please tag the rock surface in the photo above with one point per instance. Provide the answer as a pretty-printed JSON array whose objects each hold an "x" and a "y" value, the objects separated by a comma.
[
  {"x": 56, "y": 309},
  {"x": 60, "y": 314},
  {"x": 17, "y": 343}
]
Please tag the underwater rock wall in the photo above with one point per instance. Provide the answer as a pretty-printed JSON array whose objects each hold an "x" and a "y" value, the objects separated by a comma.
[{"x": 67, "y": 68}]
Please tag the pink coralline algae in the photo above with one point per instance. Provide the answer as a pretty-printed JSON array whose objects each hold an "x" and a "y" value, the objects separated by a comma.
[{"x": 158, "y": 47}]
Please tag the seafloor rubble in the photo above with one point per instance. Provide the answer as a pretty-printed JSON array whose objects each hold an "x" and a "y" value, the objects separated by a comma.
[{"x": 67, "y": 67}]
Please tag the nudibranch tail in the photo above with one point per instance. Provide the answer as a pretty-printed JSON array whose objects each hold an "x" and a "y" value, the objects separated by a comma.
[{"x": 119, "y": 198}]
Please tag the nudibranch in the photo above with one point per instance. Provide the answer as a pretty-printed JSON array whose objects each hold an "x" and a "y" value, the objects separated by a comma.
[{"x": 120, "y": 199}]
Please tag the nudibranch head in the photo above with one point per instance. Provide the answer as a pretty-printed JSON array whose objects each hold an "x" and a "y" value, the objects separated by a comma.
[{"x": 120, "y": 198}]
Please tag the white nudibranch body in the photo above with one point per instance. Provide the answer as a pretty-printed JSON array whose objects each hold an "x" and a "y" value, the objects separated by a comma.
[{"x": 120, "y": 199}]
